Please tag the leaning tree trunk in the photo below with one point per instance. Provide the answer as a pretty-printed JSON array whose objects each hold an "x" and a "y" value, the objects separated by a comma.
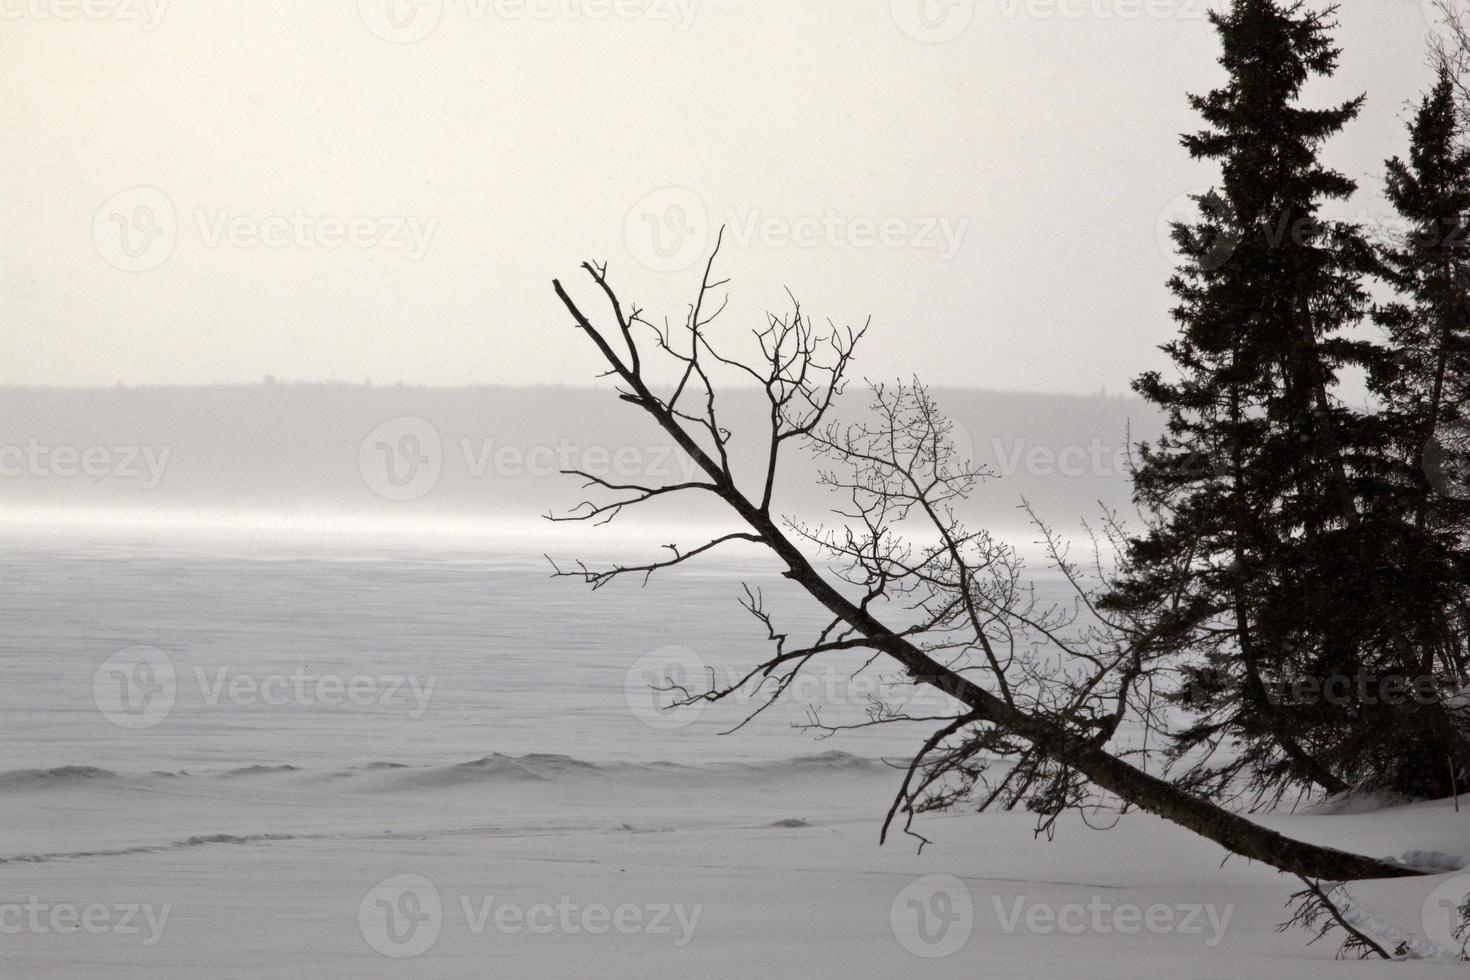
[{"x": 1230, "y": 830}]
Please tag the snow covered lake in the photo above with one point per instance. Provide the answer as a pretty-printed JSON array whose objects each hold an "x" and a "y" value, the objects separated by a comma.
[{"x": 251, "y": 757}]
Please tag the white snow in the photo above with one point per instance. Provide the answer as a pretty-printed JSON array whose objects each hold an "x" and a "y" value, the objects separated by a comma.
[{"x": 528, "y": 823}]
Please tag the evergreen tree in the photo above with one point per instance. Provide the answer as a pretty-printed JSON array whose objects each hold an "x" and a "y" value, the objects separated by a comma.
[
  {"x": 1428, "y": 380},
  {"x": 1425, "y": 385},
  {"x": 1272, "y": 565}
]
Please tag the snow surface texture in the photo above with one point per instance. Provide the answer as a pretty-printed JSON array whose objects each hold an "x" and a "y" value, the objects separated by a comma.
[{"x": 515, "y": 818}]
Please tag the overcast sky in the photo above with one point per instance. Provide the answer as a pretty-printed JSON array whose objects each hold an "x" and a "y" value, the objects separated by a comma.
[{"x": 214, "y": 191}]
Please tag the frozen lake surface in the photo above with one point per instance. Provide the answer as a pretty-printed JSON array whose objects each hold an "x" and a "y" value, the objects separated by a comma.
[
  {"x": 329, "y": 655},
  {"x": 252, "y": 757}
]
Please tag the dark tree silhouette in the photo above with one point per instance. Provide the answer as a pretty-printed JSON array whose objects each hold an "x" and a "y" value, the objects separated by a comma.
[
  {"x": 901, "y": 576},
  {"x": 1297, "y": 583}
]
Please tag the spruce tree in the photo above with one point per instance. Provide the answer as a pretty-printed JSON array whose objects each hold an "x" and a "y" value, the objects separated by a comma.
[
  {"x": 1270, "y": 566},
  {"x": 1428, "y": 379},
  {"x": 1425, "y": 384}
]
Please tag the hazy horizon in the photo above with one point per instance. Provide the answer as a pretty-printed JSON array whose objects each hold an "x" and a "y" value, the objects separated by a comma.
[{"x": 445, "y": 457}]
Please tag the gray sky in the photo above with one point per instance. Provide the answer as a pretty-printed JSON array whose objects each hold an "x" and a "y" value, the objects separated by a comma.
[{"x": 209, "y": 192}]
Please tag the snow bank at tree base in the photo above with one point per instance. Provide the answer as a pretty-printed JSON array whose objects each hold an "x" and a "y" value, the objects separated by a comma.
[{"x": 716, "y": 870}]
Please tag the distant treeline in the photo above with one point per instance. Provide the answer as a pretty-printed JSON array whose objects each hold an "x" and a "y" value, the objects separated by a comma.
[{"x": 304, "y": 448}]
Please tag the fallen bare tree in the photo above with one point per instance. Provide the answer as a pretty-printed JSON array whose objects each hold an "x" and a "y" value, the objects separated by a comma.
[{"x": 1039, "y": 692}]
